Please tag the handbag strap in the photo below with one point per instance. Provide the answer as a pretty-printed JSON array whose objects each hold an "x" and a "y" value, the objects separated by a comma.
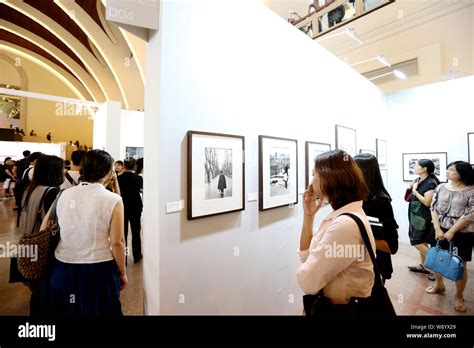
[
  {"x": 438, "y": 246},
  {"x": 53, "y": 217},
  {"x": 40, "y": 208},
  {"x": 365, "y": 237},
  {"x": 70, "y": 179}
]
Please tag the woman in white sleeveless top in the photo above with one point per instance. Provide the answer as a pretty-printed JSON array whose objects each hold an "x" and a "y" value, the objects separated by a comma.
[{"x": 89, "y": 267}]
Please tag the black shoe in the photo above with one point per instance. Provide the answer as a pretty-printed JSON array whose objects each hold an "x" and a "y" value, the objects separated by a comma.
[
  {"x": 418, "y": 269},
  {"x": 137, "y": 259}
]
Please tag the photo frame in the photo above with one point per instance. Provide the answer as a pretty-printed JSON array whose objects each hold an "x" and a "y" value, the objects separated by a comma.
[
  {"x": 470, "y": 148},
  {"x": 215, "y": 174},
  {"x": 372, "y": 152},
  {"x": 312, "y": 149},
  {"x": 440, "y": 160},
  {"x": 381, "y": 151},
  {"x": 346, "y": 139},
  {"x": 278, "y": 172},
  {"x": 135, "y": 152}
]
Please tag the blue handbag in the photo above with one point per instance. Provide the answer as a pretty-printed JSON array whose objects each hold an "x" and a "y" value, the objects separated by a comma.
[{"x": 444, "y": 262}]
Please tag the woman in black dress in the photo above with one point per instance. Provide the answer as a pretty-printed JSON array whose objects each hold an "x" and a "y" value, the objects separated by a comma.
[
  {"x": 421, "y": 230},
  {"x": 378, "y": 205}
]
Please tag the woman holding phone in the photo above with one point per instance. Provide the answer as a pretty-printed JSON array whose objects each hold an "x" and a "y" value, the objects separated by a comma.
[{"x": 338, "y": 180}]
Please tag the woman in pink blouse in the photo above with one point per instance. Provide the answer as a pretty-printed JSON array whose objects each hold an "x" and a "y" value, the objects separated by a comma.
[{"x": 335, "y": 260}]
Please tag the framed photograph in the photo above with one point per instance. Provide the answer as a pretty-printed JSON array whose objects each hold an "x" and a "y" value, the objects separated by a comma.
[
  {"x": 346, "y": 139},
  {"x": 216, "y": 174},
  {"x": 381, "y": 150},
  {"x": 372, "y": 152},
  {"x": 440, "y": 160},
  {"x": 135, "y": 152},
  {"x": 278, "y": 172},
  {"x": 384, "y": 173},
  {"x": 470, "y": 147},
  {"x": 313, "y": 149}
]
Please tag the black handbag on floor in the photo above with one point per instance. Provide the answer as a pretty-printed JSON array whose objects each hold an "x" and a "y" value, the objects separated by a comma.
[{"x": 377, "y": 306}]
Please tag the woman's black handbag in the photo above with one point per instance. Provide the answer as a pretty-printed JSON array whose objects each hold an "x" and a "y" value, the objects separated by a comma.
[{"x": 377, "y": 306}]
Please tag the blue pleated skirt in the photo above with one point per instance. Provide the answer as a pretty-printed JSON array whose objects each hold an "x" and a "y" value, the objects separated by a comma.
[{"x": 82, "y": 290}]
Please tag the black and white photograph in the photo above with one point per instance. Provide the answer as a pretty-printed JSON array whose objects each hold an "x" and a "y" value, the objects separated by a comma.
[
  {"x": 135, "y": 152},
  {"x": 470, "y": 147},
  {"x": 216, "y": 174},
  {"x": 440, "y": 160},
  {"x": 278, "y": 172},
  {"x": 312, "y": 150},
  {"x": 346, "y": 139},
  {"x": 381, "y": 150}
]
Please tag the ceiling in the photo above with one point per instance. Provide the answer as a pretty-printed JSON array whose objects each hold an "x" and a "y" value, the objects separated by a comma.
[
  {"x": 401, "y": 31},
  {"x": 74, "y": 36}
]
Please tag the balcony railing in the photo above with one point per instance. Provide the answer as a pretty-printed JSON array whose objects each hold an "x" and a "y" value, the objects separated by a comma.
[{"x": 322, "y": 19}]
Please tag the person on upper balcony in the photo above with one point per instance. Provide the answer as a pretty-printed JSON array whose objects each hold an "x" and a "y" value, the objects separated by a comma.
[{"x": 334, "y": 17}]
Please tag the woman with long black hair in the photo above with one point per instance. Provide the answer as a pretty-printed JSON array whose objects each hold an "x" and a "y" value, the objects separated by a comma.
[
  {"x": 42, "y": 191},
  {"x": 378, "y": 205}
]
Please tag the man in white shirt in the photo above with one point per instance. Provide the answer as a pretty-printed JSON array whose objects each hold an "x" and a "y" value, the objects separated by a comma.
[{"x": 72, "y": 176}]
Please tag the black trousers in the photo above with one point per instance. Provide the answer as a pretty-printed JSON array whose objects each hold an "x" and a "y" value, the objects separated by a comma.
[{"x": 134, "y": 218}]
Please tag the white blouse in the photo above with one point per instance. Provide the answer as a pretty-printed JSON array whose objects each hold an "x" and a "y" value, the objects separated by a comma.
[
  {"x": 84, "y": 215},
  {"x": 337, "y": 260}
]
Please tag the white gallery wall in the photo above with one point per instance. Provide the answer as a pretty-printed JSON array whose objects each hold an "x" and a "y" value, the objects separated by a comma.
[
  {"x": 238, "y": 70},
  {"x": 131, "y": 130},
  {"x": 431, "y": 118}
]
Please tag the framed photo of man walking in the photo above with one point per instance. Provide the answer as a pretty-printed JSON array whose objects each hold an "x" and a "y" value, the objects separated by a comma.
[
  {"x": 278, "y": 172},
  {"x": 216, "y": 174}
]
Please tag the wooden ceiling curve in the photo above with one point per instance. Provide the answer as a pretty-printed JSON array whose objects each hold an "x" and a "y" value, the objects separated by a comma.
[
  {"x": 53, "y": 11},
  {"x": 70, "y": 34},
  {"x": 9, "y": 14},
  {"x": 18, "y": 40}
]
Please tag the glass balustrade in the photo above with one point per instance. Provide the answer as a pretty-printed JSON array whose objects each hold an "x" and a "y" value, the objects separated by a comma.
[{"x": 326, "y": 15}]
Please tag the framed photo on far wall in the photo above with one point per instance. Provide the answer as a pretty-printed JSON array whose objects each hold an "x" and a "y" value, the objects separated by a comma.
[
  {"x": 278, "y": 172},
  {"x": 313, "y": 149},
  {"x": 470, "y": 148},
  {"x": 440, "y": 160},
  {"x": 346, "y": 139},
  {"x": 216, "y": 174},
  {"x": 381, "y": 151},
  {"x": 135, "y": 152}
]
